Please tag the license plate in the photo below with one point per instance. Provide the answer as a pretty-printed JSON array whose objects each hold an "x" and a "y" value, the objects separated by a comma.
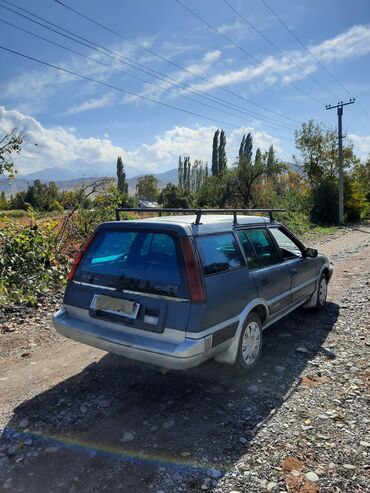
[{"x": 115, "y": 306}]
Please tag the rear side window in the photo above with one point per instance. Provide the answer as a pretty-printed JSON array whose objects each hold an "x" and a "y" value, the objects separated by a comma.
[
  {"x": 219, "y": 253},
  {"x": 259, "y": 248},
  {"x": 140, "y": 261}
]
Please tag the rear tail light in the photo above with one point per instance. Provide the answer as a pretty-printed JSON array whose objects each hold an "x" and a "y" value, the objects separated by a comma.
[
  {"x": 78, "y": 257},
  {"x": 193, "y": 271}
]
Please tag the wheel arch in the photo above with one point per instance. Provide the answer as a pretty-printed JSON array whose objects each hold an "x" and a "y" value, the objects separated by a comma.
[{"x": 258, "y": 306}]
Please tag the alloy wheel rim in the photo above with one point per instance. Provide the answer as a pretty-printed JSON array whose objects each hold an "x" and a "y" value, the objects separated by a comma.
[
  {"x": 251, "y": 343},
  {"x": 322, "y": 291}
]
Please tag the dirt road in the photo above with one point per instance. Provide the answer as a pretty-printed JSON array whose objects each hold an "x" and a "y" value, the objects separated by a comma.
[{"x": 75, "y": 419}]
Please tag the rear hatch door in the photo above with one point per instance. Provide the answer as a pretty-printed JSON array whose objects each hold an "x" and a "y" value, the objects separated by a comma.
[{"x": 134, "y": 277}]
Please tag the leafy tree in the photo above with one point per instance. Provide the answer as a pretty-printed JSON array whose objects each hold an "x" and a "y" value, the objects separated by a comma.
[
  {"x": 248, "y": 171},
  {"x": 147, "y": 188},
  {"x": 10, "y": 144},
  {"x": 319, "y": 152},
  {"x": 215, "y": 154},
  {"x": 246, "y": 148},
  {"x": 212, "y": 192},
  {"x": 222, "y": 159},
  {"x": 172, "y": 197},
  {"x": 180, "y": 174},
  {"x": 122, "y": 185},
  {"x": 318, "y": 148},
  {"x": 3, "y": 202}
]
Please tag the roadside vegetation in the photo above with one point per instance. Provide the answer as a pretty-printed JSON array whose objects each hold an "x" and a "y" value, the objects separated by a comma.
[{"x": 42, "y": 227}]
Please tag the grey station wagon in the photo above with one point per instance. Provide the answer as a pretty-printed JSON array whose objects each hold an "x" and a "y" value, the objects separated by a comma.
[{"x": 177, "y": 290}]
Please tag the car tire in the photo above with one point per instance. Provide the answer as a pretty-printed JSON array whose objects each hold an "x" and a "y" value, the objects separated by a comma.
[
  {"x": 322, "y": 291},
  {"x": 250, "y": 344}
]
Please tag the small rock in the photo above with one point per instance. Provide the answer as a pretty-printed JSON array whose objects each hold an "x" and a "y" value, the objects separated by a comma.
[
  {"x": 103, "y": 403},
  {"x": 25, "y": 355},
  {"x": 28, "y": 442},
  {"x": 253, "y": 389},
  {"x": 154, "y": 428},
  {"x": 312, "y": 476},
  {"x": 23, "y": 423},
  {"x": 295, "y": 473},
  {"x": 349, "y": 467},
  {"x": 52, "y": 450},
  {"x": 302, "y": 350},
  {"x": 272, "y": 486},
  {"x": 214, "y": 473},
  {"x": 365, "y": 444},
  {"x": 128, "y": 436},
  {"x": 169, "y": 423},
  {"x": 185, "y": 454},
  {"x": 243, "y": 440},
  {"x": 12, "y": 450},
  {"x": 83, "y": 409}
]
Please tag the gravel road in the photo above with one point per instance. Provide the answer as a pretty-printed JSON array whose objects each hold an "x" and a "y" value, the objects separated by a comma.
[{"x": 75, "y": 419}]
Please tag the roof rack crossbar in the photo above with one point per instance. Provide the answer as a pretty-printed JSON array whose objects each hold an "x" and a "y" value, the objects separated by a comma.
[{"x": 198, "y": 212}]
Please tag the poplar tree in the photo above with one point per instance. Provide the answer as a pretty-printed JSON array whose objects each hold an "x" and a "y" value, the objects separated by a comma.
[
  {"x": 215, "y": 150},
  {"x": 180, "y": 174},
  {"x": 222, "y": 159},
  {"x": 122, "y": 185}
]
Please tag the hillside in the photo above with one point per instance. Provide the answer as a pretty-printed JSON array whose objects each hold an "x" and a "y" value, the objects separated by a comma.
[{"x": 20, "y": 183}]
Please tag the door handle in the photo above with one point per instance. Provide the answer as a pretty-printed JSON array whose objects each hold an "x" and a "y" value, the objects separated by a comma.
[
  {"x": 294, "y": 271},
  {"x": 265, "y": 282}
]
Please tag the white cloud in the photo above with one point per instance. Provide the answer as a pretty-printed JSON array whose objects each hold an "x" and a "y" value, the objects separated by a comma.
[
  {"x": 91, "y": 104},
  {"x": 353, "y": 42},
  {"x": 199, "y": 67},
  {"x": 231, "y": 28},
  {"x": 57, "y": 146},
  {"x": 361, "y": 144},
  {"x": 60, "y": 147}
]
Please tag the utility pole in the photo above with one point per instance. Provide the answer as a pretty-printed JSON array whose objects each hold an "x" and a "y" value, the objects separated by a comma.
[{"x": 339, "y": 107}]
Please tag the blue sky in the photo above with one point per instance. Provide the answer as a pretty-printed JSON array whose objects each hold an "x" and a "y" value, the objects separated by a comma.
[{"x": 83, "y": 126}]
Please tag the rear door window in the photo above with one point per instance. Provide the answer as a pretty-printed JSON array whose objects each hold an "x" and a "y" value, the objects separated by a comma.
[
  {"x": 140, "y": 261},
  {"x": 219, "y": 253},
  {"x": 259, "y": 248}
]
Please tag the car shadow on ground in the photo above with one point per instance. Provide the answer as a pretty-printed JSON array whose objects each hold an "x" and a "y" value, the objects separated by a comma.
[{"x": 118, "y": 427}]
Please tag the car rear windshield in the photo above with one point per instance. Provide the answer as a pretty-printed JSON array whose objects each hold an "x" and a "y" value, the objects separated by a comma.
[{"x": 130, "y": 260}]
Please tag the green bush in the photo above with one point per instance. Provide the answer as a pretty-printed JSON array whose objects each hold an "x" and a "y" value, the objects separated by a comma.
[{"x": 30, "y": 261}]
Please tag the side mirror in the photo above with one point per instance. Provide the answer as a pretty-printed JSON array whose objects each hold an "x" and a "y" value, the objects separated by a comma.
[{"x": 311, "y": 252}]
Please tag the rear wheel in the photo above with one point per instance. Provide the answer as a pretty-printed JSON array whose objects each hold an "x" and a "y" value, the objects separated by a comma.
[
  {"x": 322, "y": 292},
  {"x": 250, "y": 344}
]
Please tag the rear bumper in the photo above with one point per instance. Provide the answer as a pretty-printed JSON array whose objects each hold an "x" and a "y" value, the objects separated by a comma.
[{"x": 140, "y": 347}]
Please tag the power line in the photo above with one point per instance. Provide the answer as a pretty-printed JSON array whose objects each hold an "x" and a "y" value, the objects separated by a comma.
[
  {"x": 271, "y": 43},
  {"x": 123, "y": 60},
  {"x": 305, "y": 47},
  {"x": 124, "y": 91},
  {"x": 154, "y": 53},
  {"x": 252, "y": 57},
  {"x": 116, "y": 69}
]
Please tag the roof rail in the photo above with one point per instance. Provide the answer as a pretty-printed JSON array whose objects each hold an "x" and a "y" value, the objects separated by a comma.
[{"x": 198, "y": 212}]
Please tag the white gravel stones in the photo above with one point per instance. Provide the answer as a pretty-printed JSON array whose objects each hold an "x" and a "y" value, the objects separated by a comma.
[
  {"x": 272, "y": 486},
  {"x": 312, "y": 476}
]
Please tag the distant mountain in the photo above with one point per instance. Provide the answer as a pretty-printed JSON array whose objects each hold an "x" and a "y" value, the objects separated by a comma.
[
  {"x": 50, "y": 174},
  {"x": 65, "y": 180},
  {"x": 296, "y": 168},
  {"x": 80, "y": 170}
]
